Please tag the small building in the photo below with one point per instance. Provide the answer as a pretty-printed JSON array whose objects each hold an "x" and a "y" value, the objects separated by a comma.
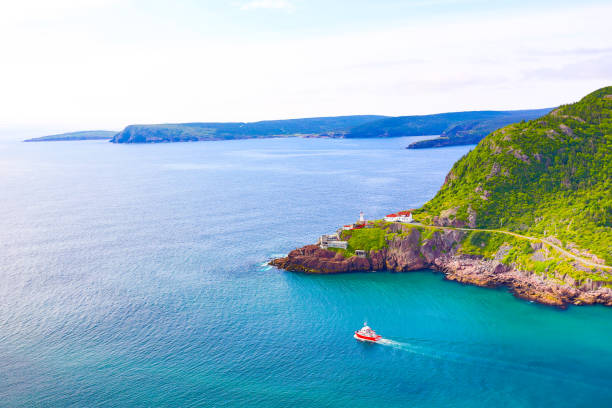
[
  {"x": 338, "y": 244},
  {"x": 329, "y": 238},
  {"x": 400, "y": 216},
  {"x": 348, "y": 227},
  {"x": 333, "y": 244},
  {"x": 360, "y": 253}
]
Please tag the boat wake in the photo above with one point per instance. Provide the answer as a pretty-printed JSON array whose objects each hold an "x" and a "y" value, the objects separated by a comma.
[
  {"x": 392, "y": 343},
  {"x": 412, "y": 348}
]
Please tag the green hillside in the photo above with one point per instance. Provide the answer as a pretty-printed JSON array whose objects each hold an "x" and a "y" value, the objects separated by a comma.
[{"x": 549, "y": 177}]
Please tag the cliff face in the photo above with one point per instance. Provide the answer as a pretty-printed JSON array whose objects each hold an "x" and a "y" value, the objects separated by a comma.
[{"x": 411, "y": 251}]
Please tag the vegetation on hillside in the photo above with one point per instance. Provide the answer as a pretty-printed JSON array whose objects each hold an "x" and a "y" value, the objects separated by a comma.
[
  {"x": 527, "y": 256},
  {"x": 521, "y": 253},
  {"x": 549, "y": 177}
]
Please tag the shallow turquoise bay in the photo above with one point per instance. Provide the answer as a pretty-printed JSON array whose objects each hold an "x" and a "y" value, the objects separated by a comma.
[{"x": 136, "y": 276}]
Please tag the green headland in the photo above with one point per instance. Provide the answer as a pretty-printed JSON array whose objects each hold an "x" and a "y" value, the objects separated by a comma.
[{"x": 530, "y": 207}]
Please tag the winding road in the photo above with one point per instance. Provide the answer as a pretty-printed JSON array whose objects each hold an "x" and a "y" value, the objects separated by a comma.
[{"x": 533, "y": 239}]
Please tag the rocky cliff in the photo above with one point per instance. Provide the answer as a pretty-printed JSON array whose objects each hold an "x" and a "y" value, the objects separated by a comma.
[{"x": 410, "y": 251}]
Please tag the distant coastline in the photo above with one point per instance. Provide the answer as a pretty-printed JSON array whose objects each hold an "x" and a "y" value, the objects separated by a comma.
[
  {"x": 453, "y": 128},
  {"x": 82, "y": 135}
]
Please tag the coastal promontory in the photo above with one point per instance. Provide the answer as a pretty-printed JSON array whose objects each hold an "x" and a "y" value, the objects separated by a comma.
[{"x": 530, "y": 208}]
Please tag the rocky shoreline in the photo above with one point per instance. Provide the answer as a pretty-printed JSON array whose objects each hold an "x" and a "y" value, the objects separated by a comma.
[{"x": 410, "y": 253}]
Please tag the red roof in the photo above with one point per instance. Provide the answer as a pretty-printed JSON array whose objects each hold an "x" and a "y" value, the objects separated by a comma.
[
  {"x": 348, "y": 226},
  {"x": 400, "y": 214}
]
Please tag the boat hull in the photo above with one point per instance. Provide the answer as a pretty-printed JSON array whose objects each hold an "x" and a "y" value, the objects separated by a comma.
[{"x": 366, "y": 338}]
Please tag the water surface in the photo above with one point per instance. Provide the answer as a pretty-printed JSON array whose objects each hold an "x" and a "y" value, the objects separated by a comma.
[{"x": 135, "y": 276}]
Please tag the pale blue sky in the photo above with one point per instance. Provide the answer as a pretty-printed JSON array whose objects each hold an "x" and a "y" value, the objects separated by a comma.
[{"x": 71, "y": 64}]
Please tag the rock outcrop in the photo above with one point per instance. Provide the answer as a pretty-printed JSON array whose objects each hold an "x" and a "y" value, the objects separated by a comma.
[{"x": 411, "y": 252}]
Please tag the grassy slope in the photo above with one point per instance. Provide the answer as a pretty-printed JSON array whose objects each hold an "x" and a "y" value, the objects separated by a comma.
[
  {"x": 548, "y": 177},
  {"x": 518, "y": 252}
]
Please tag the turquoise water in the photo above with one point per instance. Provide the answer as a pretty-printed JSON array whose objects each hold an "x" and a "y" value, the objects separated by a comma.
[{"x": 136, "y": 276}]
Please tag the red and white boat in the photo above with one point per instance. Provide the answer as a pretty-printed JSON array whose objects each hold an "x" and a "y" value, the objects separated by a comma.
[{"x": 367, "y": 334}]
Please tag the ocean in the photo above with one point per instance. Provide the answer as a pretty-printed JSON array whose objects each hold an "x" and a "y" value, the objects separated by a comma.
[{"x": 136, "y": 276}]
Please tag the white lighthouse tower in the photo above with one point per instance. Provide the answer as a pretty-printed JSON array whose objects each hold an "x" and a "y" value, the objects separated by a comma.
[{"x": 361, "y": 217}]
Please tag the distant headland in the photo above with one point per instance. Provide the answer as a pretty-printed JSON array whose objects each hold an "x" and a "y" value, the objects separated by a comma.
[
  {"x": 336, "y": 126},
  {"x": 82, "y": 135}
]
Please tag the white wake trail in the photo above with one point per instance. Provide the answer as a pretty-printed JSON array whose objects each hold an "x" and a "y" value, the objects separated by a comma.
[
  {"x": 411, "y": 348},
  {"x": 392, "y": 343}
]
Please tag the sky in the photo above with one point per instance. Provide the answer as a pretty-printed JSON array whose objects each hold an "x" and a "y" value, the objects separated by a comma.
[{"x": 69, "y": 65}]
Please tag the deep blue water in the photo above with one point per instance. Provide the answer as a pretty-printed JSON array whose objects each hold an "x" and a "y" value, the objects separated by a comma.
[{"x": 135, "y": 276}]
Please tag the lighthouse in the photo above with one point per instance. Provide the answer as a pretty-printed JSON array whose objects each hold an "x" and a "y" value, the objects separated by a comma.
[{"x": 361, "y": 217}]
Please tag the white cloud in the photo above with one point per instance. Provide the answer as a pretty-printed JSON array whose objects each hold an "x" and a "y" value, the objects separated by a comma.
[{"x": 268, "y": 4}]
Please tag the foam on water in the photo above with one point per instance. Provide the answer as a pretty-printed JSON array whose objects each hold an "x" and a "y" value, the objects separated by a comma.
[{"x": 389, "y": 342}]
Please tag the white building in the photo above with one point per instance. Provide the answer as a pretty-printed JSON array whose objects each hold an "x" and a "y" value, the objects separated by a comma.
[{"x": 401, "y": 216}]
